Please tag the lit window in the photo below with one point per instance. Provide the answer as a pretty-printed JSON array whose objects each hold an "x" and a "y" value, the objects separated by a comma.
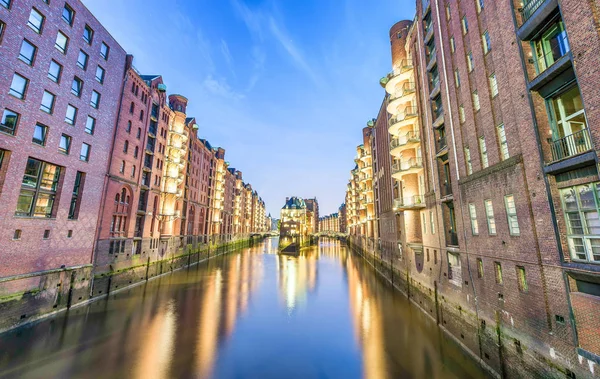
[
  {"x": 38, "y": 189},
  {"x": 122, "y": 167},
  {"x": 100, "y": 74},
  {"x": 61, "y": 42},
  {"x": 54, "y": 71},
  {"x": 479, "y": 268},
  {"x": 468, "y": 161},
  {"x": 493, "y": 85},
  {"x": 90, "y": 125},
  {"x": 489, "y": 214},
  {"x": 82, "y": 60},
  {"x": 487, "y": 43},
  {"x": 424, "y": 223},
  {"x": 36, "y": 21},
  {"x": 71, "y": 114},
  {"x": 88, "y": 34},
  {"x": 457, "y": 78},
  {"x": 581, "y": 209},
  {"x": 85, "y": 152},
  {"x": 9, "y": 122},
  {"x": 18, "y": 87},
  {"x": 40, "y": 132},
  {"x": 65, "y": 144},
  {"x": 479, "y": 4},
  {"x": 76, "y": 86},
  {"x": 95, "y": 100},
  {"x": 452, "y": 45},
  {"x": 27, "y": 52},
  {"x": 470, "y": 65},
  {"x": 473, "y": 217},
  {"x": 502, "y": 141},
  {"x": 47, "y": 102},
  {"x": 447, "y": 11},
  {"x": 461, "y": 113},
  {"x": 104, "y": 50},
  {"x": 522, "y": 279},
  {"x": 511, "y": 213},
  {"x": 125, "y": 146},
  {"x": 432, "y": 222},
  {"x": 465, "y": 25},
  {"x": 68, "y": 14},
  {"x": 498, "y": 268},
  {"x": 476, "y": 104},
  {"x": 484, "y": 156},
  {"x": 76, "y": 195}
]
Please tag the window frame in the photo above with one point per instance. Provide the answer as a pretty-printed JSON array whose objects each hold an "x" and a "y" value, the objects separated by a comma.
[
  {"x": 23, "y": 58},
  {"x": 37, "y": 190},
  {"x": 86, "y": 157},
  {"x": 4, "y": 128},
  {"x": 32, "y": 26},
  {"x": 91, "y": 130},
  {"x": 55, "y": 79},
  {"x": 83, "y": 65},
  {"x": 88, "y": 28},
  {"x": 48, "y": 109},
  {"x": 71, "y": 121},
  {"x": 485, "y": 163},
  {"x": 80, "y": 90},
  {"x": 19, "y": 95},
  {"x": 62, "y": 49},
  {"x": 510, "y": 214},
  {"x": 69, "y": 141},
  {"x": 489, "y": 215},
  {"x": 502, "y": 142},
  {"x": 473, "y": 218},
  {"x": 44, "y": 129},
  {"x": 69, "y": 21}
]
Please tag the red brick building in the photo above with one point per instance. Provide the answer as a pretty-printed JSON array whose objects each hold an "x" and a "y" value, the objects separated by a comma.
[{"x": 61, "y": 78}]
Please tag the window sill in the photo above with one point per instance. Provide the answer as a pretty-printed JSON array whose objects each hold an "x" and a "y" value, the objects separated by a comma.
[{"x": 35, "y": 218}]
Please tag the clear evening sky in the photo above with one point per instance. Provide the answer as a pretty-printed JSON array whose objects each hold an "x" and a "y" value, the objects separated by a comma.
[{"x": 285, "y": 86}]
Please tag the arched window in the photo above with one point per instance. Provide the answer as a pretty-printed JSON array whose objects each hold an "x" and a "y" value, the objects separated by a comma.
[
  {"x": 142, "y": 115},
  {"x": 135, "y": 152},
  {"x": 126, "y": 146},
  {"x": 131, "y": 107},
  {"x": 128, "y": 130},
  {"x": 120, "y": 213},
  {"x": 132, "y": 87}
]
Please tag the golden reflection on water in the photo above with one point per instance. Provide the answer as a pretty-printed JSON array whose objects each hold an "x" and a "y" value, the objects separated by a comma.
[{"x": 297, "y": 276}]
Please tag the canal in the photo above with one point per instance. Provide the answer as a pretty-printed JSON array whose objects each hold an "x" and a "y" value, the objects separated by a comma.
[{"x": 252, "y": 314}]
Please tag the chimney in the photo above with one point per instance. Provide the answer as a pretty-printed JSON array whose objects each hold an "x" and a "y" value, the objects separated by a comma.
[{"x": 287, "y": 199}]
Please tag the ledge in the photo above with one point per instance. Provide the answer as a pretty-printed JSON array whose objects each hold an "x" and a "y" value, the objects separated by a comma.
[
  {"x": 570, "y": 163},
  {"x": 510, "y": 162},
  {"x": 532, "y": 26}
]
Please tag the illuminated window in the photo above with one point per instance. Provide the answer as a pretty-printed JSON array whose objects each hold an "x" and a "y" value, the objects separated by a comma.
[{"x": 38, "y": 189}]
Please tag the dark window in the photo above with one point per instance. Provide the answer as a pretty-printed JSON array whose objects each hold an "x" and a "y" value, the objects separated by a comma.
[
  {"x": 104, "y": 50},
  {"x": 9, "y": 122},
  {"x": 100, "y": 74},
  {"x": 76, "y": 86},
  {"x": 139, "y": 133},
  {"x": 88, "y": 34},
  {"x": 85, "y": 152},
  {"x": 38, "y": 190},
  {"x": 71, "y": 115},
  {"x": 70, "y": 233},
  {"x": 2, "y": 27},
  {"x": 76, "y": 196},
  {"x": 135, "y": 152},
  {"x": 68, "y": 14},
  {"x": 82, "y": 60},
  {"x": 18, "y": 87},
  {"x": 65, "y": 144},
  {"x": 62, "y": 41},
  {"x": 142, "y": 115},
  {"x": 90, "y": 125},
  {"x": 27, "y": 52},
  {"x": 40, "y": 132},
  {"x": 17, "y": 234},
  {"x": 5, "y": 3},
  {"x": 131, "y": 107},
  {"x": 128, "y": 130},
  {"x": 46, "y": 234},
  {"x": 126, "y": 146},
  {"x": 47, "y": 102},
  {"x": 36, "y": 20},
  {"x": 95, "y": 100},
  {"x": 54, "y": 71}
]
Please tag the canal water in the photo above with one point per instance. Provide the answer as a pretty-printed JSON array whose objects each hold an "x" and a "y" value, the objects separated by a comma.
[{"x": 252, "y": 314}]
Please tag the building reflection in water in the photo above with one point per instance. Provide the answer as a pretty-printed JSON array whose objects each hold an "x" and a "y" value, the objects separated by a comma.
[{"x": 297, "y": 277}]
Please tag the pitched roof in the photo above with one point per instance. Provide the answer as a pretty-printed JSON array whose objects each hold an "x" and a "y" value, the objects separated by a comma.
[{"x": 294, "y": 203}]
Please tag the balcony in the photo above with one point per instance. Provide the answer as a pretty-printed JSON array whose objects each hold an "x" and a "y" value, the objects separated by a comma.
[
  {"x": 571, "y": 145},
  {"x": 534, "y": 14},
  {"x": 428, "y": 32},
  {"x": 409, "y": 203},
  {"x": 405, "y": 94},
  {"x": 451, "y": 238},
  {"x": 446, "y": 189},
  {"x": 431, "y": 59},
  {"x": 441, "y": 145},
  {"x": 403, "y": 142},
  {"x": 409, "y": 166},
  {"x": 407, "y": 117},
  {"x": 398, "y": 75}
]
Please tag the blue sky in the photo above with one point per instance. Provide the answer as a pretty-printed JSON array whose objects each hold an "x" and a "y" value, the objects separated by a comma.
[{"x": 285, "y": 86}]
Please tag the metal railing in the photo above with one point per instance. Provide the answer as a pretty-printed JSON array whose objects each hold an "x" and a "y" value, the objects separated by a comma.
[
  {"x": 407, "y": 88},
  {"x": 407, "y": 164},
  {"x": 405, "y": 65},
  {"x": 441, "y": 143},
  {"x": 409, "y": 202},
  {"x": 530, "y": 8},
  {"x": 546, "y": 60},
  {"x": 452, "y": 238},
  {"x": 576, "y": 143}
]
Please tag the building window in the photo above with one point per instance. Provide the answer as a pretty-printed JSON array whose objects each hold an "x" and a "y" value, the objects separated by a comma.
[
  {"x": 448, "y": 12},
  {"x": 126, "y": 146},
  {"x": 122, "y": 168},
  {"x": 135, "y": 152},
  {"x": 498, "y": 269},
  {"x": 88, "y": 34},
  {"x": 47, "y": 102},
  {"x": 85, "y": 152},
  {"x": 76, "y": 195},
  {"x": 493, "y": 85},
  {"x": 550, "y": 47},
  {"x": 62, "y": 41},
  {"x": 489, "y": 214},
  {"x": 461, "y": 113},
  {"x": 569, "y": 124},
  {"x": 131, "y": 108},
  {"x": 5, "y": 3},
  {"x": 40, "y": 132},
  {"x": 76, "y": 86},
  {"x": 90, "y": 125},
  {"x": 581, "y": 207},
  {"x": 470, "y": 64},
  {"x": 511, "y": 213},
  {"x": 142, "y": 115},
  {"x": 9, "y": 122},
  {"x": 2, "y": 27},
  {"x": 38, "y": 189},
  {"x": 82, "y": 60},
  {"x": 479, "y": 4},
  {"x": 18, "y": 87},
  {"x": 36, "y": 21},
  {"x": 476, "y": 104},
  {"x": 133, "y": 171},
  {"x": 483, "y": 150},
  {"x": 457, "y": 78},
  {"x": 128, "y": 129},
  {"x": 454, "y": 269},
  {"x": 502, "y": 141},
  {"x": 68, "y": 14},
  {"x": 424, "y": 223},
  {"x": 100, "y": 74},
  {"x": 104, "y": 50},
  {"x": 65, "y": 144},
  {"x": 487, "y": 44},
  {"x": 71, "y": 115},
  {"x": 473, "y": 217},
  {"x": 27, "y": 52},
  {"x": 432, "y": 222},
  {"x": 468, "y": 161},
  {"x": 452, "y": 45},
  {"x": 522, "y": 279},
  {"x": 95, "y": 100},
  {"x": 17, "y": 234},
  {"x": 139, "y": 133},
  {"x": 479, "y": 268},
  {"x": 54, "y": 71},
  {"x": 465, "y": 25}
]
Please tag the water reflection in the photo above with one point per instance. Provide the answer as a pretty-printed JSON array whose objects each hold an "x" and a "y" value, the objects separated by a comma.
[{"x": 253, "y": 314}]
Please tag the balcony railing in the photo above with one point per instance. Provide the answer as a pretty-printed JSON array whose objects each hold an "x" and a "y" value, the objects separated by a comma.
[
  {"x": 530, "y": 8},
  {"x": 411, "y": 202},
  {"x": 548, "y": 59},
  {"x": 412, "y": 136},
  {"x": 408, "y": 164},
  {"x": 452, "y": 238},
  {"x": 407, "y": 88},
  {"x": 405, "y": 65},
  {"x": 446, "y": 189},
  {"x": 441, "y": 143},
  {"x": 574, "y": 144}
]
